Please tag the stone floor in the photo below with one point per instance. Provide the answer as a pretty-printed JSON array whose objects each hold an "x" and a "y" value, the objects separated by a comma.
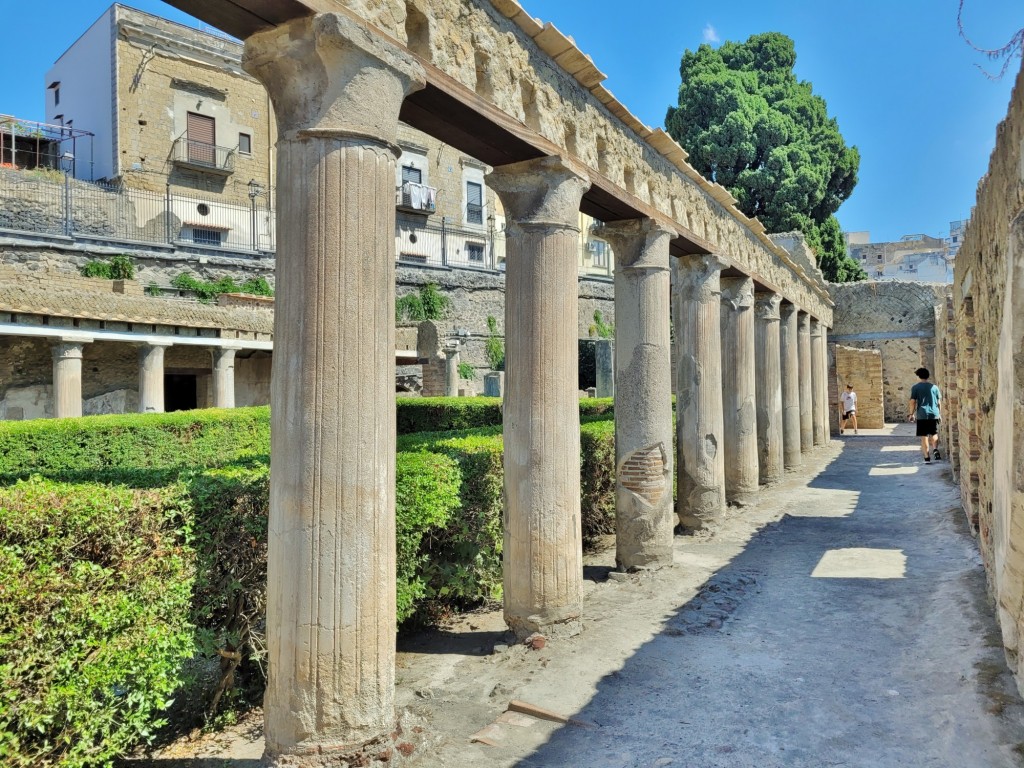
[{"x": 841, "y": 622}]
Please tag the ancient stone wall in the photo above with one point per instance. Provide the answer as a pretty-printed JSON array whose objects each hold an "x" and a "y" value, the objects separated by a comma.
[
  {"x": 983, "y": 335},
  {"x": 863, "y": 369},
  {"x": 898, "y": 320}
]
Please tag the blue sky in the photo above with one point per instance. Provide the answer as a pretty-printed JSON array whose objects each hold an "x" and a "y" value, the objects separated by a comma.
[{"x": 903, "y": 85}]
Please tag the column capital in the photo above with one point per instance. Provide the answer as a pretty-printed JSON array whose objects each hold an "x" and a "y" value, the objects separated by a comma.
[
  {"x": 803, "y": 320},
  {"x": 738, "y": 292},
  {"x": 156, "y": 343},
  {"x": 329, "y": 75},
  {"x": 69, "y": 349},
  {"x": 815, "y": 327},
  {"x": 545, "y": 191},
  {"x": 767, "y": 305},
  {"x": 788, "y": 309},
  {"x": 698, "y": 275},
  {"x": 639, "y": 243}
]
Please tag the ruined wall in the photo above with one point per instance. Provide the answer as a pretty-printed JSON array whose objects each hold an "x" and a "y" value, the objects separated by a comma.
[
  {"x": 863, "y": 369},
  {"x": 898, "y": 320},
  {"x": 984, "y": 345}
]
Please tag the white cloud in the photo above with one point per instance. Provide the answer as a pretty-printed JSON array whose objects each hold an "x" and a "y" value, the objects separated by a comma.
[{"x": 710, "y": 33}]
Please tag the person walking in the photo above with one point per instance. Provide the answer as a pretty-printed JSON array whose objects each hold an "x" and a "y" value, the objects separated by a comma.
[
  {"x": 848, "y": 409},
  {"x": 924, "y": 409}
]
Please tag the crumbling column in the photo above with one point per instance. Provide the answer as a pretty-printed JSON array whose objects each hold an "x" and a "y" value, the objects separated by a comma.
[
  {"x": 151, "y": 377},
  {"x": 739, "y": 384},
  {"x": 67, "y": 378},
  {"x": 768, "y": 367},
  {"x": 819, "y": 416},
  {"x": 543, "y": 567},
  {"x": 336, "y": 89},
  {"x": 806, "y": 387},
  {"x": 790, "y": 359},
  {"x": 224, "y": 376},
  {"x": 451, "y": 369},
  {"x": 643, "y": 394},
  {"x": 700, "y": 488}
]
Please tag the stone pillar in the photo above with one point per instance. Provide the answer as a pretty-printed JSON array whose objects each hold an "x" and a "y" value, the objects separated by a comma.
[
  {"x": 451, "y": 369},
  {"x": 819, "y": 404},
  {"x": 542, "y": 561},
  {"x": 223, "y": 376},
  {"x": 700, "y": 464},
  {"x": 738, "y": 388},
  {"x": 67, "y": 378},
  {"x": 151, "y": 377},
  {"x": 336, "y": 89},
  {"x": 604, "y": 366},
  {"x": 643, "y": 394},
  {"x": 806, "y": 383},
  {"x": 790, "y": 360},
  {"x": 768, "y": 368}
]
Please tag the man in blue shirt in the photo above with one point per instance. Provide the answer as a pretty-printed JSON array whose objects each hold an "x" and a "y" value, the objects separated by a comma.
[{"x": 924, "y": 409}]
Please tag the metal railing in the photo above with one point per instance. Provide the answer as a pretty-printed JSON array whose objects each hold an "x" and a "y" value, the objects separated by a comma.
[
  {"x": 416, "y": 198},
  {"x": 198, "y": 155},
  {"x": 51, "y": 202},
  {"x": 444, "y": 245}
]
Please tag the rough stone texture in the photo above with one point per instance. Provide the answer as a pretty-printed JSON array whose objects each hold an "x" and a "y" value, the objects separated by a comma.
[
  {"x": 451, "y": 369},
  {"x": 643, "y": 396},
  {"x": 863, "y": 369},
  {"x": 67, "y": 379},
  {"x": 984, "y": 341},
  {"x": 804, "y": 373},
  {"x": 604, "y": 364},
  {"x": 768, "y": 390},
  {"x": 739, "y": 378},
  {"x": 896, "y": 318},
  {"x": 789, "y": 344},
  {"x": 700, "y": 460},
  {"x": 543, "y": 570},
  {"x": 252, "y": 378},
  {"x": 331, "y": 561}
]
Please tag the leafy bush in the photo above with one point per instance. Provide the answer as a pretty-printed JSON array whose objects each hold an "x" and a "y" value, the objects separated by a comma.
[
  {"x": 426, "y": 304},
  {"x": 597, "y": 479},
  {"x": 467, "y": 371},
  {"x": 600, "y": 328},
  {"x": 208, "y": 291},
  {"x": 120, "y": 267},
  {"x": 96, "y": 268},
  {"x": 442, "y": 414},
  {"x": 94, "y": 593},
  {"x": 495, "y": 346}
]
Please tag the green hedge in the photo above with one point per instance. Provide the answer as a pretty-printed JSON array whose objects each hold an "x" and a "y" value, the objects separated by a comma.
[
  {"x": 95, "y": 586},
  {"x": 445, "y": 414}
]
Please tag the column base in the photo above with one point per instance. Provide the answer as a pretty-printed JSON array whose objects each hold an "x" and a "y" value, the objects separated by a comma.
[
  {"x": 522, "y": 627},
  {"x": 403, "y": 739}
]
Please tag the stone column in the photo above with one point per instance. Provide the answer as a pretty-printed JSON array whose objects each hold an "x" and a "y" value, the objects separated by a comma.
[
  {"x": 643, "y": 394},
  {"x": 819, "y": 414},
  {"x": 738, "y": 387},
  {"x": 336, "y": 90},
  {"x": 67, "y": 378},
  {"x": 224, "y": 376},
  {"x": 151, "y": 377},
  {"x": 806, "y": 385},
  {"x": 700, "y": 465},
  {"x": 768, "y": 367},
  {"x": 451, "y": 369},
  {"x": 604, "y": 367},
  {"x": 826, "y": 398},
  {"x": 790, "y": 360},
  {"x": 542, "y": 561}
]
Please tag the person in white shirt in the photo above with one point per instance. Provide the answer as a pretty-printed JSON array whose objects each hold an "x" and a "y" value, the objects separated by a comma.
[{"x": 848, "y": 409}]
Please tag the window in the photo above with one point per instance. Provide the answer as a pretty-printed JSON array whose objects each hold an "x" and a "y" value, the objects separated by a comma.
[
  {"x": 245, "y": 143},
  {"x": 207, "y": 237},
  {"x": 475, "y": 252},
  {"x": 201, "y": 132},
  {"x": 411, "y": 173},
  {"x": 474, "y": 203},
  {"x": 599, "y": 252},
  {"x": 56, "y": 96},
  {"x": 879, "y": 257}
]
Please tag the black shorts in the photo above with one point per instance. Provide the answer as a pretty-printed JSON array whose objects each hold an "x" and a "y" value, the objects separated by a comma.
[
  {"x": 848, "y": 414},
  {"x": 926, "y": 427}
]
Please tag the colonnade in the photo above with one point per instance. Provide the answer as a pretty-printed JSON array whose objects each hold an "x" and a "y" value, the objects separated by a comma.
[
  {"x": 337, "y": 92},
  {"x": 67, "y": 376}
]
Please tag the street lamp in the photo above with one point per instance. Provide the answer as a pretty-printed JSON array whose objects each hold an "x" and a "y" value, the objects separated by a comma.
[
  {"x": 67, "y": 164},
  {"x": 255, "y": 190}
]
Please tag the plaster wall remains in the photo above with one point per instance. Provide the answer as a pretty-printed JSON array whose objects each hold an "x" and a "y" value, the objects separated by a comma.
[
  {"x": 983, "y": 343},
  {"x": 898, "y": 320},
  {"x": 863, "y": 369}
]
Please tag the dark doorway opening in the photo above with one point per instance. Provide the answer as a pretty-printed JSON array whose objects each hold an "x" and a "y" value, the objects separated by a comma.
[{"x": 180, "y": 392}]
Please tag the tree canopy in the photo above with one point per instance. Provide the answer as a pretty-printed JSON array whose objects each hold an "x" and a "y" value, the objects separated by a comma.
[{"x": 751, "y": 126}]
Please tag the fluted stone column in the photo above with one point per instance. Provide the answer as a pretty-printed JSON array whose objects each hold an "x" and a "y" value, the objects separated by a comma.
[
  {"x": 700, "y": 465},
  {"x": 151, "y": 377},
  {"x": 67, "y": 378},
  {"x": 825, "y": 366},
  {"x": 789, "y": 345},
  {"x": 451, "y": 370},
  {"x": 542, "y": 560},
  {"x": 738, "y": 391},
  {"x": 337, "y": 90},
  {"x": 806, "y": 387},
  {"x": 643, "y": 394},
  {"x": 819, "y": 401},
  {"x": 768, "y": 368},
  {"x": 224, "y": 376}
]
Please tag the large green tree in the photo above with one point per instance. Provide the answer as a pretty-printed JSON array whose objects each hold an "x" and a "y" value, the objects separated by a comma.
[{"x": 751, "y": 126}]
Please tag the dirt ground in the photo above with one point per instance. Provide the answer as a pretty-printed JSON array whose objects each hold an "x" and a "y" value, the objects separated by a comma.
[{"x": 843, "y": 621}]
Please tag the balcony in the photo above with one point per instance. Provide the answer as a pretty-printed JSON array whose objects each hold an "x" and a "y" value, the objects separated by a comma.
[
  {"x": 200, "y": 156},
  {"x": 416, "y": 198}
]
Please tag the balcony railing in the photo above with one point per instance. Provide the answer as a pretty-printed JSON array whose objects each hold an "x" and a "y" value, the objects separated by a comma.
[
  {"x": 416, "y": 198},
  {"x": 200, "y": 156}
]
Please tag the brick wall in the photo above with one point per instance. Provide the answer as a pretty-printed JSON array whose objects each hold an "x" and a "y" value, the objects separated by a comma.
[{"x": 863, "y": 369}]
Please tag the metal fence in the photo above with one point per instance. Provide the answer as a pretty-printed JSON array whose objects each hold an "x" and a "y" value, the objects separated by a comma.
[
  {"x": 52, "y": 202},
  {"x": 424, "y": 242}
]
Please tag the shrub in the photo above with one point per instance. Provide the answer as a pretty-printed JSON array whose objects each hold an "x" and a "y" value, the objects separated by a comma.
[
  {"x": 96, "y": 268},
  {"x": 442, "y": 414},
  {"x": 467, "y": 371},
  {"x": 597, "y": 479},
  {"x": 94, "y": 594},
  {"x": 495, "y": 346},
  {"x": 426, "y": 304},
  {"x": 120, "y": 267}
]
